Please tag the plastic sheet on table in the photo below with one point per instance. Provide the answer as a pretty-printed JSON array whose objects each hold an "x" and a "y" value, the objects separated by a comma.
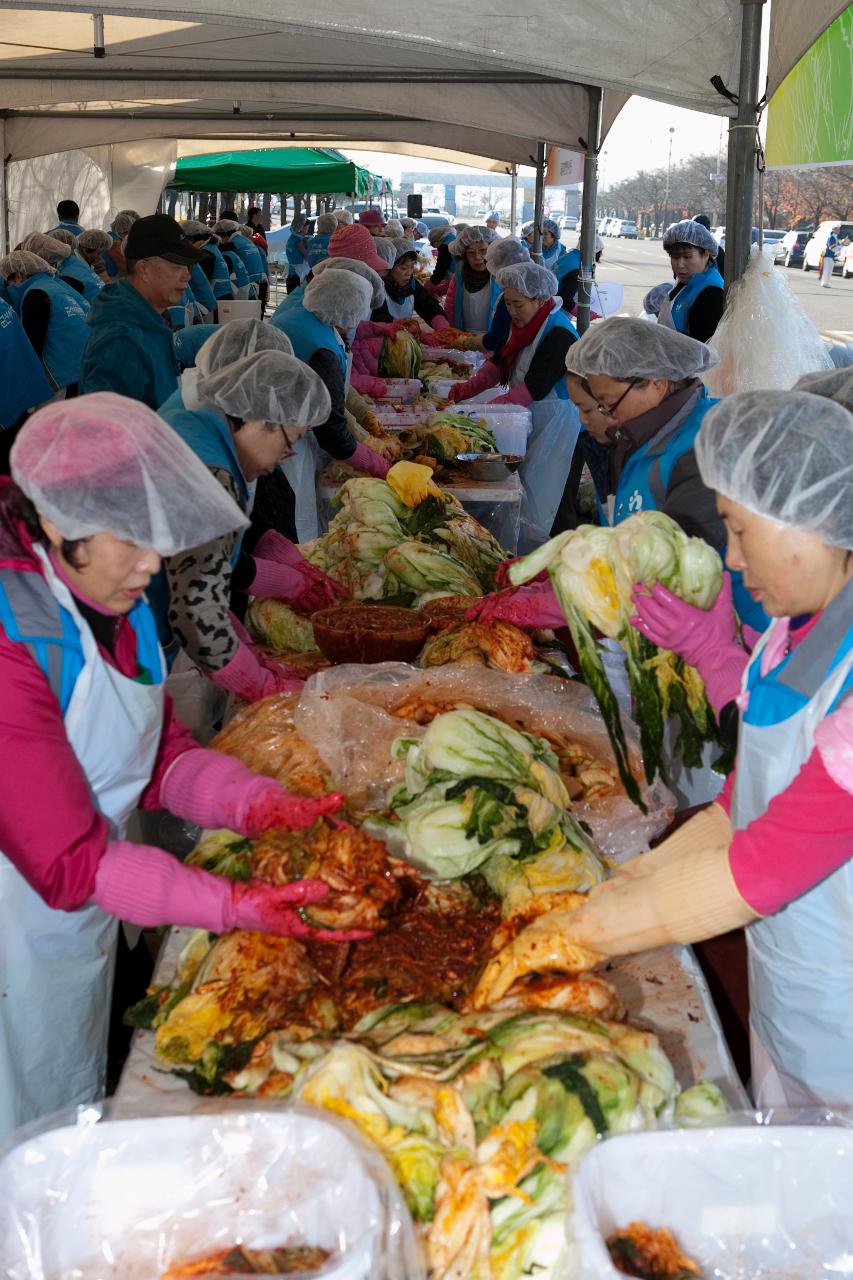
[
  {"x": 760, "y": 1197},
  {"x": 346, "y": 714},
  {"x": 87, "y": 1197}
]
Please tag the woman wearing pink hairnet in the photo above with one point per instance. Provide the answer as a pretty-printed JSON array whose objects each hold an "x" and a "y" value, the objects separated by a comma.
[{"x": 101, "y": 489}]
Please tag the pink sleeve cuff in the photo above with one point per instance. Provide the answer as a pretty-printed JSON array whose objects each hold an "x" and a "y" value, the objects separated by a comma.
[
  {"x": 147, "y": 886},
  {"x": 212, "y": 790},
  {"x": 439, "y": 323},
  {"x": 518, "y": 395}
]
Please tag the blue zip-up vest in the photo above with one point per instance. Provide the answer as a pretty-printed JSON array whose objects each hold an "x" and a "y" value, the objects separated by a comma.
[
  {"x": 182, "y": 312},
  {"x": 67, "y": 330},
  {"x": 551, "y": 256},
  {"x": 109, "y": 266},
  {"x": 308, "y": 334},
  {"x": 557, "y": 320},
  {"x": 294, "y": 248},
  {"x": 645, "y": 476},
  {"x": 73, "y": 227},
  {"x": 318, "y": 249},
  {"x": 22, "y": 381},
  {"x": 687, "y": 295},
  {"x": 292, "y": 301},
  {"x": 188, "y": 341},
  {"x": 568, "y": 261},
  {"x": 250, "y": 256},
  {"x": 200, "y": 288},
  {"x": 221, "y": 272},
  {"x": 74, "y": 268},
  {"x": 32, "y": 616},
  {"x": 236, "y": 267},
  {"x": 458, "y": 310}
]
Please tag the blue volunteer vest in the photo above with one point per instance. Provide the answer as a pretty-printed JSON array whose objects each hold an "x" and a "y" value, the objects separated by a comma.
[
  {"x": 552, "y": 256},
  {"x": 22, "y": 381},
  {"x": 32, "y": 616},
  {"x": 188, "y": 342},
  {"x": 250, "y": 256},
  {"x": 318, "y": 249},
  {"x": 221, "y": 281},
  {"x": 686, "y": 296},
  {"x": 645, "y": 477},
  {"x": 458, "y": 310},
  {"x": 308, "y": 334},
  {"x": 294, "y": 248},
  {"x": 236, "y": 267},
  {"x": 568, "y": 261},
  {"x": 74, "y": 268},
  {"x": 557, "y": 320},
  {"x": 292, "y": 302},
  {"x": 201, "y": 289},
  {"x": 67, "y": 330}
]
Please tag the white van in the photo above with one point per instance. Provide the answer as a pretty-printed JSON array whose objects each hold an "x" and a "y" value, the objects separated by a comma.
[{"x": 817, "y": 244}]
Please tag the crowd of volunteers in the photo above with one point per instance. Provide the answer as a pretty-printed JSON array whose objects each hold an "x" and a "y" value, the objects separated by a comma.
[{"x": 157, "y": 467}]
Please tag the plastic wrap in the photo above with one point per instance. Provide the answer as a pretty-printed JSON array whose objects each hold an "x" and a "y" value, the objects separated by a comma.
[
  {"x": 264, "y": 737},
  {"x": 765, "y": 340},
  {"x": 344, "y": 714},
  {"x": 100, "y": 1199},
  {"x": 747, "y": 1201}
]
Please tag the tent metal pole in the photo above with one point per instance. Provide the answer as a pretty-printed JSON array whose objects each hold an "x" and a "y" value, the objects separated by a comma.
[
  {"x": 740, "y": 196},
  {"x": 539, "y": 201},
  {"x": 590, "y": 193},
  {"x": 4, "y": 191},
  {"x": 513, "y": 200}
]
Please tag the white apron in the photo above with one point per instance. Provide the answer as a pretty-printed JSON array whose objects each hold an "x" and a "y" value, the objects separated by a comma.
[
  {"x": 801, "y": 959},
  {"x": 548, "y": 460},
  {"x": 401, "y": 310},
  {"x": 477, "y": 309},
  {"x": 57, "y": 966}
]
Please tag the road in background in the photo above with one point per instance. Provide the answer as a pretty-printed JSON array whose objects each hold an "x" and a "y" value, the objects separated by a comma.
[{"x": 639, "y": 264}]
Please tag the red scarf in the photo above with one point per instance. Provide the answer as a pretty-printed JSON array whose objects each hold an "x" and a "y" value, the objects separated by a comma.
[{"x": 518, "y": 339}]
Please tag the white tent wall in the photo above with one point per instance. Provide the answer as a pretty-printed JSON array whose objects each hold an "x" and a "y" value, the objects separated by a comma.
[
  {"x": 139, "y": 171},
  {"x": 34, "y": 187}
]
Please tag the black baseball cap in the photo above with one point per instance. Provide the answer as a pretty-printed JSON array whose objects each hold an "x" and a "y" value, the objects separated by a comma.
[{"x": 159, "y": 236}]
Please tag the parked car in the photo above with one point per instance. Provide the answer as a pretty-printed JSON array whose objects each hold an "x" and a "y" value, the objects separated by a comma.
[
  {"x": 772, "y": 240},
  {"x": 436, "y": 220},
  {"x": 568, "y": 222},
  {"x": 847, "y": 262},
  {"x": 790, "y": 248},
  {"x": 719, "y": 234},
  {"x": 815, "y": 246},
  {"x": 624, "y": 229},
  {"x": 602, "y": 225}
]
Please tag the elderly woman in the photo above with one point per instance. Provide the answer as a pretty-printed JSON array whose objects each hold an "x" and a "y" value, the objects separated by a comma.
[
  {"x": 695, "y": 306},
  {"x": 552, "y": 247},
  {"x": 373, "y": 220},
  {"x": 213, "y": 265},
  {"x": 773, "y": 853},
  {"x": 405, "y": 296},
  {"x": 65, "y": 262},
  {"x": 101, "y": 490},
  {"x": 393, "y": 229},
  {"x": 239, "y": 251},
  {"x": 320, "y": 327},
  {"x": 473, "y": 292},
  {"x": 440, "y": 239},
  {"x": 53, "y": 316},
  {"x": 318, "y": 246},
  {"x": 297, "y": 252},
  {"x": 502, "y": 253},
  {"x": 92, "y": 245},
  {"x": 114, "y": 257}
]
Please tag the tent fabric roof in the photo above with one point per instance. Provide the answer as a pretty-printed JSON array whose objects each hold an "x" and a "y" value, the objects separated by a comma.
[{"x": 322, "y": 172}]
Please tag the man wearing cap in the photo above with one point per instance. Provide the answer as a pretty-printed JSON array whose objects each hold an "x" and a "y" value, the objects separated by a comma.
[{"x": 130, "y": 347}]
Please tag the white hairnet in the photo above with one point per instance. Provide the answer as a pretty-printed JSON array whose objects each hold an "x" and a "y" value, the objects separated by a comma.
[
  {"x": 435, "y": 235},
  {"x": 422, "y": 229},
  {"x": 833, "y": 384},
  {"x": 65, "y": 237},
  {"x": 626, "y": 347},
  {"x": 689, "y": 232},
  {"x": 469, "y": 236},
  {"x": 236, "y": 340},
  {"x": 528, "y": 228},
  {"x": 528, "y": 278},
  {"x": 408, "y": 223},
  {"x": 326, "y": 224},
  {"x": 107, "y": 464},
  {"x": 192, "y": 227},
  {"x": 92, "y": 240},
  {"x": 123, "y": 221},
  {"x": 344, "y": 216},
  {"x": 548, "y": 224},
  {"x": 385, "y": 248},
  {"x": 46, "y": 247},
  {"x": 403, "y": 249},
  {"x": 21, "y": 261},
  {"x": 226, "y": 227},
  {"x": 357, "y": 268},
  {"x": 503, "y": 253},
  {"x": 394, "y": 228},
  {"x": 268, "y": 386},
  {"x": 339, "y": 298},
  {"x": 787, "y": 455},
  {"x": 656, "y": 297}
]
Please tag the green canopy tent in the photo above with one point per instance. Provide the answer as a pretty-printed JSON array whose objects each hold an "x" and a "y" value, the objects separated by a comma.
[{"x": 315, "y": 172}]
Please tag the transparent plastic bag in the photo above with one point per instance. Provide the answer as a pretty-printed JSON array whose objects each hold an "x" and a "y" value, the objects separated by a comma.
[
  {"x": 765, "y": 340},
  {"x": 344, "y": 714},
  {"x": 83, "y": 1197},
  {"x": 758, "y": 1197}
]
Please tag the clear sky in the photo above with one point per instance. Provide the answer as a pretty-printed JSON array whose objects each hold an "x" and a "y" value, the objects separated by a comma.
[{"x": 638, "y": 139}]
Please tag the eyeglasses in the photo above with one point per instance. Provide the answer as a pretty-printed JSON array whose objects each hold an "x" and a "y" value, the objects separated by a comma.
[{"x": 608, "y": 410}]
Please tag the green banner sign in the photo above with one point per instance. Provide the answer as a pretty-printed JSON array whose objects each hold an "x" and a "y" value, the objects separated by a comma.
[{"x": 809, "y": 117}]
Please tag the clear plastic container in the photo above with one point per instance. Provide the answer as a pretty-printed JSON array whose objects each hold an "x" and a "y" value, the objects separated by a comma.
[{"x": 405, "y": 389}]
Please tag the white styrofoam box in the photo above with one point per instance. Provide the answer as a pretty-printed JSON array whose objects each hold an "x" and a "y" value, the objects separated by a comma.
[
  {"x": 437, "y": 354},
  {"x": 748, "y": 1203},
  {"x": 238, "y": 309},
  {"x": 129, "y": 1198},
  {"x": 405, "y": 389}
]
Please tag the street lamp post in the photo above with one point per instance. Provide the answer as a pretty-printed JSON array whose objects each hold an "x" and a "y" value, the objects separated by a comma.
[{"x": 668, "y": 171}]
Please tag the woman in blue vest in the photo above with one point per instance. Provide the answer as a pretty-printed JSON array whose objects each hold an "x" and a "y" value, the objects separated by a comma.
[
  {"x": 242, "y": 419},
  {"x": 502, "y": 253},
  {"x": 473, "y": 292},
  {"x": 531, "y": 363},
  {"x": 696, "y": 304},
  {"x": 234, "y": 241},
  {"x": 774, "y": 852},
  {"x": 552, "y": 247},
  {"x": 296, "y": 249},
  {"x": 332, "y": 307},
  {"x": 91, "y": 246},
  {"x": 53, "y": 315},
  {"x": 101, "y": 489},
  {"x": 215, "y": 268},
  {"x": 68, "y": 267},
  {"x": 318, "y": 246},
  {"x": 405, "y": 296},
  {"x": 23, "y": 383}
]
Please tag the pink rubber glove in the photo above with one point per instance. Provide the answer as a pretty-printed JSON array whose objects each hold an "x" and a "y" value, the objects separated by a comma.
[
  {"x": 441, "y": 322},
  {"x": 247, "y": 677},
  {"x": 274, "y": 546},
  {"x": 517, "y": 395},
  {"x": 533, "y": 605},
  {"x": 365, "y": 356},
  {"x": 147, "y": 886},
  {"x": 315, "y": 589},
  {"x": 705, "y": 639},
  {"x": 375, "y": 329},
  {"x": 215, "y": 790},
  {"x": 488, "y": 376},
  {"x": 274, "y": 581},
  {"x": 366, "y": 385},
  {"x": 365, "y": 459}
]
